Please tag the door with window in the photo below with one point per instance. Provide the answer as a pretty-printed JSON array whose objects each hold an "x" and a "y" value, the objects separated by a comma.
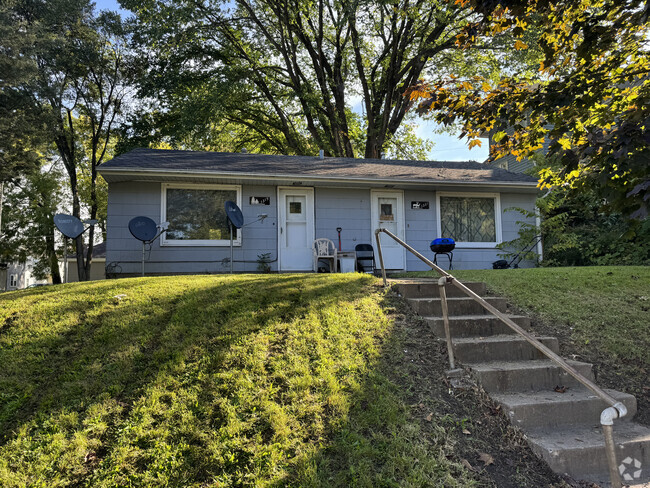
[
  {"x": 387, "y": 212},
  {"x": 296, "y": 228}
]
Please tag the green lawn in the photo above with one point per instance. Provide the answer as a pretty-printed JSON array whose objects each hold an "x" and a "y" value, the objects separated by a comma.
[
  {"x": 209, "y": 381},
  {"x": 601, "y": 314}
]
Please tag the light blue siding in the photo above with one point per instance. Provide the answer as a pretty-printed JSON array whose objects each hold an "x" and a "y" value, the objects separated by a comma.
[
  {"x": 348, "y": 208},
  {"x": 127, "y": 200},
  {"x": 345, "y": 208},
  {"x": 420, "y": 227}
]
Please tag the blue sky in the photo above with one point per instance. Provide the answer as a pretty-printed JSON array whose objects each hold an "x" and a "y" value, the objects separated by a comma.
[{"x": 447, "y": 147}]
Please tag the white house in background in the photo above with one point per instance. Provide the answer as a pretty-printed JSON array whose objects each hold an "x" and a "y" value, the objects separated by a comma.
[
  {"x": 305, "y": 198},
  {"x": 16, "y": 275}
]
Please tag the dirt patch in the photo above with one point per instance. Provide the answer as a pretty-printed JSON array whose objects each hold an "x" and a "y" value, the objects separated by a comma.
[{"x": 483, "y": 439}]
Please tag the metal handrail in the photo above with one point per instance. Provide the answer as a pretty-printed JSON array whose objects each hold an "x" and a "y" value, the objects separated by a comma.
[{"x": 616, "y": 409}]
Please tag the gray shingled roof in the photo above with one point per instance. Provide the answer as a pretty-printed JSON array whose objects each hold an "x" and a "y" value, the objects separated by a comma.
[{"x": 246, "y": 164}]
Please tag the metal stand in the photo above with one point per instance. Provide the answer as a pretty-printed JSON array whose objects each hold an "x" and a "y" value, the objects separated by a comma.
[
  {"x": 231, "y": 256},
  {"x": 144, "y": 244},
  {"x": 65, "y": 259},
  {"x": 450, "y": 256}
]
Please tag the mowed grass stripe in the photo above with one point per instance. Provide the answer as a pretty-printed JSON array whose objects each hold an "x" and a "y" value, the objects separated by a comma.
[{"x": 208, "y": 381}]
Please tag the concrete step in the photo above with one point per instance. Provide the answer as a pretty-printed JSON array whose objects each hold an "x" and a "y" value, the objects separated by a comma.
[
  {"x": 580, "y": 452},
  {"x": 430, "y": 289},
  {"x": 553, "y": 410},
  {"x": 428, "y": 307},
  {"x": 475, "y": 325},
  {"x": 499, "y": 348},
  {"x": 562, "y": 428},
  {"x": 513, "y": 376}
]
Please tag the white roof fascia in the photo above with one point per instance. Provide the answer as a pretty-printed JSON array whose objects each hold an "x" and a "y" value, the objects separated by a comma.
[{"x": 321, "y": 179}]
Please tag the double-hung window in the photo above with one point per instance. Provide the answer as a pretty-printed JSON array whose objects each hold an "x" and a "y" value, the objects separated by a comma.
[
  {"x": 472, "y": 220},
  {"x": 196, "y": 214}
]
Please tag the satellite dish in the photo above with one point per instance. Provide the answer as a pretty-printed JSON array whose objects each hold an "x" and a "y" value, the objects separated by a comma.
[
  {"x": 143, "y": 228},
  {"x": 69, "y": 225},
  {"x": 234, "y": 214}
]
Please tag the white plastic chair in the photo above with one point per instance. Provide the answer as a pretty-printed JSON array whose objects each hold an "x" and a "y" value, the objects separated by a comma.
[{"x": 324, "y": 249}]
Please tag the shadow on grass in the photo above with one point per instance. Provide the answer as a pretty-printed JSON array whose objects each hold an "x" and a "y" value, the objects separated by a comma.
[
  {"x": 115, "y": 344},
  {"x": 74, "y": 366},
  {"x": 285, "y": 380},
  {"x": 407, "y": 428}
]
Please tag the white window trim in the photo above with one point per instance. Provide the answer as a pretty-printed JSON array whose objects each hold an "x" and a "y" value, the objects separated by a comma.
[
  {"x": 497, "y": 218},
  {"x": 197, "y": 242},
  {"x": 13, "y": 280}
]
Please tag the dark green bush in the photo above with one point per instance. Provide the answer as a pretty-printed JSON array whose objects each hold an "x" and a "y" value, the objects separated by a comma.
[{"x": 578, "y": 230}]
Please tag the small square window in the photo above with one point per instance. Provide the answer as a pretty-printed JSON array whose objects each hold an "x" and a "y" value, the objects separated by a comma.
[
  {"x": 386, "y": 212},
  {"x": 295, "y": 207}
]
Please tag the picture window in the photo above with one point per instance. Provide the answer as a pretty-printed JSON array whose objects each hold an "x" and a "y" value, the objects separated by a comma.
[{"x": 196, "y": 214}]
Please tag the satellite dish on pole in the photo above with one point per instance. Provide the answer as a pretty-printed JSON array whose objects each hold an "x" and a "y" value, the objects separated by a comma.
[
  {"x": 233, "y": 212},
  {"x": 236, "y": 220},
  {"x": 144, "y": 229},
  {"x": 71, "y": 228},
  {"x": 69, "y": 225}
]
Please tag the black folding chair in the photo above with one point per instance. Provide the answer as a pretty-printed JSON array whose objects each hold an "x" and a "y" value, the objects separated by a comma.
[{"x": 365, "y": 257}]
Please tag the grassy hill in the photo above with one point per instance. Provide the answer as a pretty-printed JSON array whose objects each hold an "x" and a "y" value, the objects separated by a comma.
[
  {"x": 272, "y": 380},
  {"x": 210, "y": 381}
]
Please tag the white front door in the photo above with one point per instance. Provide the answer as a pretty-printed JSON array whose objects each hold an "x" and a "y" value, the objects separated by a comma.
[
  {"x": 387, "y": 212},
  {"x": 296, "y": 232}
]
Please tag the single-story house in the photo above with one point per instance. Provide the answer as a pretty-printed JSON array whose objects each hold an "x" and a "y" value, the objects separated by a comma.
[{"x": 288, "y": 201}]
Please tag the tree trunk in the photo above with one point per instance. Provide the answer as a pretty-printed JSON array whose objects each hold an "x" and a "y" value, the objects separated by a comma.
[
  {"x": 53, "y": 259},
  {"x": 79, "y": 241}
]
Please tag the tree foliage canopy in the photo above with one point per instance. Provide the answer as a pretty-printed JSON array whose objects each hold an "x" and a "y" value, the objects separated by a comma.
[
  {"x": 69, "y": 76},
  {"x": 284, "y": 76},
  {"x": 590, "y": 97}
]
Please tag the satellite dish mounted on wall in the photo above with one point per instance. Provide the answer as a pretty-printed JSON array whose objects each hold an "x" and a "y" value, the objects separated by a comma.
[
  {"x": 145, "y": 229},
  {"x": 71, "y": 228},
  {"x": 236, "y": 220}
]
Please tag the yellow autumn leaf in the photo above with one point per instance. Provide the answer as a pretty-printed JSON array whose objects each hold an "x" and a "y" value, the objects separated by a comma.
[
  {"x": 520, "y": 45},
  {"x": 565, "y": 143},
  {"x": 475, "y": 142}
]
